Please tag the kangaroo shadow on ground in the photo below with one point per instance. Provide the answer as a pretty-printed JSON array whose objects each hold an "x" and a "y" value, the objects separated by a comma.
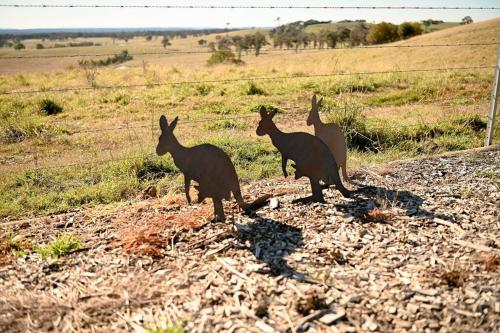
[
  {"x": 369, "y": 197},
  {"x": 271, "y": 242}
]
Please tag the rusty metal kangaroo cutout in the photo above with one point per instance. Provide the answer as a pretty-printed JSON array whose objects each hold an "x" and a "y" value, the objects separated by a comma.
[
  {"x": 331, "y": 135},
  {"x": 312, "y": 157},
  {"x": 209, "y": 166}
]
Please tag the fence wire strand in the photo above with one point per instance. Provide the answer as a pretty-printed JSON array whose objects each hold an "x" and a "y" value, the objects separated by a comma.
[{"x": 178, "y": 6}]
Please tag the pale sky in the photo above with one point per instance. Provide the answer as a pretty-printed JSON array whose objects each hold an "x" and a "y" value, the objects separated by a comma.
[{"x": 23, "y": 18}]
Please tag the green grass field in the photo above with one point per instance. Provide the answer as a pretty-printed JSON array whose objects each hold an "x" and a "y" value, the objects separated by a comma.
[{"x": 108, "y": 136}]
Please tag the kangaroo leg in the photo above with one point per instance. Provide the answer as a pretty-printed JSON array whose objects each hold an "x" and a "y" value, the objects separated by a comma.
[
  {"x": 317, "y": 193},
  {"x": 218, "y": 210},
  {"x": 284, "y": 160},
  {"x": 187, "y": 183},
  {"x": 338, "y": 184}
]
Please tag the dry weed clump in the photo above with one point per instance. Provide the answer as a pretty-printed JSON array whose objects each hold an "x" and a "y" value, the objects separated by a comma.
[
  {"x": 189, "y": 219},
  {"x": 9, "y": 246},
  {"x": 377, "y": 215},
  {"x": 490, "y": 261},
  {"x": 453, "y": 278},
  {"x": 145, "y": 241},
  {"x": 6, "y": 255},
  {"x": 310, "y": 303}
]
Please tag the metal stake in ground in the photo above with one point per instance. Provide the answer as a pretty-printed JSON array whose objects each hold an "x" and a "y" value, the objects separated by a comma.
[{"x": 490, "y": 128}]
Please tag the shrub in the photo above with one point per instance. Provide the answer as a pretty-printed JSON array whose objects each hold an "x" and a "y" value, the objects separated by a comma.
[
  {"x": 152, "y": 168},
  {"x": 116, "y": 59},
  {"x": 39, "y": 46},
  {"x": 80, "y": 44},
  {"x": 19, "y": 46},
  {"x": 49, "y": 107},
  {"x": 252, "y": 89},
  {"x": 224, "y": 56},
  {"x": 382, "y": 33},
  {"x": 409, "y": 29}
]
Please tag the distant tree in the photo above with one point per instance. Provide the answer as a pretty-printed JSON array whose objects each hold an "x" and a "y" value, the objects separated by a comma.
[
  {"x": 240, "y": 43},
  {"x": 39, "y": 46},
  {"x": 358, "y": 35},
  {"x": 343, "y": 34},
  {"x": 382, "y": 33},
  {"x": 332, "y": 38},
  {"x": 19, "y": 46},
  {"x": 165, "y": 41},
  {"x": 409, "y": 29},
  {"x": 258, "y": 41},
  {"x": 149, "y": 38},
  {"x": 224, "y": 43},
  {"x": 202, "y": 42},
  {"x": 467, "y": 20}
]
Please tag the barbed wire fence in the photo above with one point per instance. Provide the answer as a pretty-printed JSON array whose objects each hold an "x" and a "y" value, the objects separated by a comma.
[{"x": 194, "y": 122}]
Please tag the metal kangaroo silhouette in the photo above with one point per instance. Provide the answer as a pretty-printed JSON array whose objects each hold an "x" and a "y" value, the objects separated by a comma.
[
  {"x": 206, "y": 164},
  {"x": 311, "y": 156},
  {"x": 331, "y": 135}
]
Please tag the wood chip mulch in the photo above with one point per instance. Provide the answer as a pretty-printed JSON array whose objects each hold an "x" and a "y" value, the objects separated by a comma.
[{"x": 416, "y": 250}]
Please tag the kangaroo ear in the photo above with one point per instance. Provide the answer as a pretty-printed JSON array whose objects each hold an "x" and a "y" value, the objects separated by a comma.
[
  {"x": 272, "y": 113},
  {"x": 313, "y": 100},
  {"x": 320, "y": 102},
  {"x": 263, "y": 112},
  {"x": 163, "y": 123},
  {"x": 173, "y": 124}
]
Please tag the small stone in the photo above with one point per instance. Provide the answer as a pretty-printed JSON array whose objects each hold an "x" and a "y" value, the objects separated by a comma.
[
  {"x": 370, "y": 325},
  {"x": 274, "y": 203},
  {"x": 351, "y": 299},
  {"x": 392, "y": 310},
  {"x": 332, "y": 317},
  {"x": 413, "y": 308},
  {"x": 264, "y": 327}
]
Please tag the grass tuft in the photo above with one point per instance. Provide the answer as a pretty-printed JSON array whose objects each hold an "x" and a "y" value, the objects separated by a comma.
[
  {"x": 63, "y": 244},
  {"x": 49, "y": 107},
  {"x": 217, "y": 125},
  {"x": 251, "y": 88}
]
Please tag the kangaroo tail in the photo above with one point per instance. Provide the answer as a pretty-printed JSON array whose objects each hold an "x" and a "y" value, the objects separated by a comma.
[
  {"x": 259, "y": 202},
  {"x": 345, "y": 192},
  {"x": 345, "y": 177}
]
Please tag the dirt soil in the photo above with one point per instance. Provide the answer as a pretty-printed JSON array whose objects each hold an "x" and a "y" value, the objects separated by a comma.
[{"x": 417, "y": 250}]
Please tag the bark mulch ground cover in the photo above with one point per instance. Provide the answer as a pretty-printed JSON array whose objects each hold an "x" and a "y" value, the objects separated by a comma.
[{"x": 415, "y": 250}]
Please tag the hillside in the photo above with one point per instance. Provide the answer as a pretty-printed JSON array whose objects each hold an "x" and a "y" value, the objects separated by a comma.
[{"x": 383, "y": 59}]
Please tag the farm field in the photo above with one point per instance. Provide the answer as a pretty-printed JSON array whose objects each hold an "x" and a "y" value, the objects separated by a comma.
[{"x": 100, "y": 148}]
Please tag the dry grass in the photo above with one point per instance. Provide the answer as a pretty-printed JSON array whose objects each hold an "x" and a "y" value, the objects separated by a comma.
[
  {"x": 454, "y": 278},
  {"x": 491, "y": 261}
]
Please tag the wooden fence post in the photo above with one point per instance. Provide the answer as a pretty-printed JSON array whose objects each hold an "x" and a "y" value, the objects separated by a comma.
[{"x": 490, "y": 128}]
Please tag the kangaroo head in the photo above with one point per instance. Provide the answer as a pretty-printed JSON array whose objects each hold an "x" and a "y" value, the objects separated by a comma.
[
  {"x": 313, "y": 117},
  {"x": 167, "y": 139},
  {"x": 266, "y": 124}
]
